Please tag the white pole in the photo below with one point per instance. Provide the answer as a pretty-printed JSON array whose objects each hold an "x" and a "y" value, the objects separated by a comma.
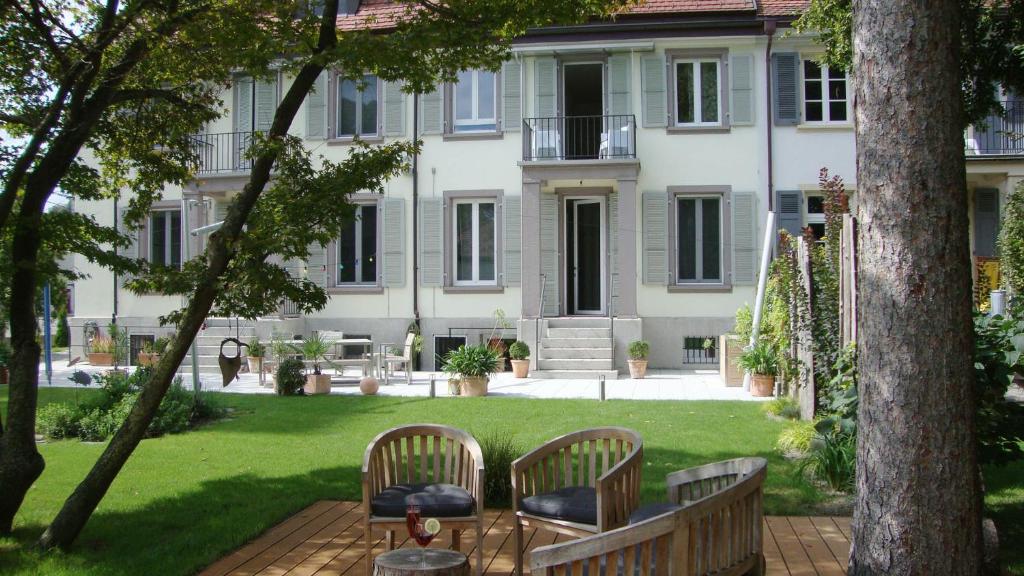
[{"x": 762, "y": 285}]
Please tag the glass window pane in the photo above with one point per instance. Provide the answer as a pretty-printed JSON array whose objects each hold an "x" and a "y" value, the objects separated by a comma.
[
  {"x": 837, "y": 111},
  {"x": 684, "y": 93},
  {"x": 686, "y": 243},
  {"x": 709, "y": 91},
  {"x": 368, "y": 239},
  {"x": 347, "y": 253},
  {"x": 836, "y": 73},
  {"x": 812, "y": 90},
  {"x": 815, "y": 205},
  {"x": 818, "y": 229},
  {"x": 487, "y": 242},
  {"x": 175, "y": 239},
  {"x": 811, "y": 69},
  {"x": 813, "y": 111},
  {"x": 464, "y": 242},
  {"x": 837, "y": 89},
  {"x": 369, "y": 104},
  {"x": 346, "y": 108},
  {"x": 158, "y": 238},
  {"x": 485, "y": 94},
  {"x": 464, "y": 96},
  {"x": 711, "y": 268}
]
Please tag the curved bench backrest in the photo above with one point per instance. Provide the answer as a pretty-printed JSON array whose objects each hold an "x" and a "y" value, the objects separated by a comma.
[
  {"x": 423, "y": 453},
  {"x": 577, "y": 459}
]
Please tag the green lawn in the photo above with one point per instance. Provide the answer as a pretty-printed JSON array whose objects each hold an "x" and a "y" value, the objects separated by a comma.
[{"x": 183, "y": 501}]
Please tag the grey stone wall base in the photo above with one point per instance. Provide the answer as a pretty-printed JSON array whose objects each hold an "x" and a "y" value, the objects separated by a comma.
[
  {"x": 627, "y": 330},
  {"x": 476, "y": 331},
  {"x": 666, "y": 337}
]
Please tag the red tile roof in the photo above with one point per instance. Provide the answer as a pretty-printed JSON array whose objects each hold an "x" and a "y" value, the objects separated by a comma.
[{"x": 382, "y": 14}]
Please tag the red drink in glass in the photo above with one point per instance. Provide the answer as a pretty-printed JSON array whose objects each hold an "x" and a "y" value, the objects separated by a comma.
[{"x": 412, "y": 520}]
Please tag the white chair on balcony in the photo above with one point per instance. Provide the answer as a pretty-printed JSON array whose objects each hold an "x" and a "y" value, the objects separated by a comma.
[
  {"x": 546, "y": 144},
  {"x": 615, "y": 142}
]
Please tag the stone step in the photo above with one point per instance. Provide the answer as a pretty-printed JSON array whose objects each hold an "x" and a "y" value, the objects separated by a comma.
[
  {"x": 574, "y": 364},
  {"x": 228, "y": 322},
  {"x": 575, "y": 374},
  {"x": 244, "y": 332},
  {"x": 575, "y": 343},
  {"x": 578, "y": 322},
  {"x": 579, "y": 332},
  {"x": 552, "y": 353}
]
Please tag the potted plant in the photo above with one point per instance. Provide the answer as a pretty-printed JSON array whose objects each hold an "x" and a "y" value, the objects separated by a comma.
[
  {"x": 256, "y": 352},
  {"x": 101, "y": 351},
  {"x": 473, "y": 365},
  {"x": 638, "y": 352},
  {"x": 290, "y": 379},
  {"x": 760, "y": 360},
  {"x": 519, "y": 352},
  {"x": 313, "y": 350},
  {"x": 5, "y": 359},
  {"x": 151, "y": 351}
]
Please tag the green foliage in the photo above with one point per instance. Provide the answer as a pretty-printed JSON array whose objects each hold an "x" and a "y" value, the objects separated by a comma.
[
  {"x": 783, "y": 407},
  {"x": 639, "y": 350},
  {"x": 833, "y": 460},
  {"x": 119, "y": 340},
  {"x": 519, "y": 350},
  {"x": 290, "y": 377},
  {"x": 796, "y": 439},
  {"x": 825, "y": 264},
  {"x": 62, "y": 338},
  {"x": 500, "y": 450},
  {"x": 998, "y": 347},
  {"x": 5, "y": 352},
  {"x": 314, "y": 349},
  {"x": 58, "y": 420},
  {"x": 102, "y": 345},
  {"x": 256, "y": 348},
  {"x": 1011, "y": 241},
  {"x": 761, "y": 359},
  {"x": 744, "y": 323},
  {"x": 471, "y": 361}
]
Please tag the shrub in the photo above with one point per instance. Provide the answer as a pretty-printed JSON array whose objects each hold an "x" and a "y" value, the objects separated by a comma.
[
  {"x": 207, "y": 407},
  {"x": 5, "y": 353},
  {"x": 58, "y": 420},
  {"x": 62, "y": 338},
  {"x": 96, "y": 425},
  {"x": 102, "y": 345},
  {"x": 519, "y": 351},
  {"x": 997, "y": 355},
  {"x": 639, "y": 350},
  {"x": 796, "y": 438},
  {"x": 1011, "y": 240},
  {"x": 500, "y": 450},
  {"x": 760, "y": 359},
  {"x": 833, "y": 460},
  {"x": 290, "y": 377},
  {"x": 256, "y": 348},
  {"x": 783, "y": 407},
  {"x": 471, "y": 361},
  {"x": 174, "y": 414}
]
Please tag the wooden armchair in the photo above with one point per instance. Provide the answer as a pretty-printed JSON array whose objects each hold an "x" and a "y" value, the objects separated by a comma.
[
  {"x": 716, "y": 528},
  {"x": 578, "y": 484},
  {"x": 438, "y": 468}
]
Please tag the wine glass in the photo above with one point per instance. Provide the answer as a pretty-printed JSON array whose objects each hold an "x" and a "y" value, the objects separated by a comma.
[{"x": 418, "y": 531}]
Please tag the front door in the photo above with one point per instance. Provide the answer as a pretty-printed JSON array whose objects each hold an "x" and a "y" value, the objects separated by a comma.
[{"x": 585, "y": 256}]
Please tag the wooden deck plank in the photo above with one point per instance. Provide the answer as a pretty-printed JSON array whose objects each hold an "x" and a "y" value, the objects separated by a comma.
[
  {"x": 844, "y": 526},
  {"x": 776, "y": 564},
  {"x": 299, "y": 553},
  {"x": 816, "y": 548},
  {"x": 837, "y": 543},
  {"x": 789, "y": 544},
  {"x": 500, "y": 531},
  {"x": 285, "y": 545}
]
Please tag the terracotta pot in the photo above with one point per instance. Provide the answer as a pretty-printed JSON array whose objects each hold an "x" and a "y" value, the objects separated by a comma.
[
  {"x": 101, "y": 358},
  {"x": 637, "y": 369},
  {"x": 474, "y": 386},
  {"x": 369, "y": 385},
  {"x": 317, "y": 384},
  {"x": 520, "y": 368},
  {"x": 255, "y": 364},
  {"x": 148, "y": 358},
  {"x": 762, "y": 386},
  {"x": 3, "y": 375}
]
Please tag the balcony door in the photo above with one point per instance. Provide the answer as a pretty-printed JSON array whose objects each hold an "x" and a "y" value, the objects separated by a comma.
[
  {"x": 583, "y": 106},
  {"x": 585, "y": 260}
]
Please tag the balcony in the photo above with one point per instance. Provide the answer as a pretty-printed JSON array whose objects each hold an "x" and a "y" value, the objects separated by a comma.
[
  {"x": 1003, "y": 135},
  {"x": 579, "y": 138},
  {"x": 223, "y": 153}
]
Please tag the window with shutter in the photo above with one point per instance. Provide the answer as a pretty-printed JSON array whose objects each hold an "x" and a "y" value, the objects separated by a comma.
[
  {"x": 356, "y": 110},
  {"x": 619, "y": 80},
  {"x": 165, "y": 238},
  {"x": 545, "y": 72},
  {"x": 785, "y": 89},
  {"x": 511, "y": 215},
  {"x": 394, "y": 109},
  {"x": 825, "y": 94},
  {"x": 742, "y": 87},
  {"x": 356, "y": 262},
  {"x": 655, "y": 237},
  {"x": 512, "y": 96},
  {"x": 789, "y": 208},
  {"x": 744, "y": 237},
  {"x": 432, "y": 112},
  {"x": 316, "y": 109},
  {"x": 431, "y": 241},
  {"x": 653, "y": 87},
  {"x": 394, "y": 242}
]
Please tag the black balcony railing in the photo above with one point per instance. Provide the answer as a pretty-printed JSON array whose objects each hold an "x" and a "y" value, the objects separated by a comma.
[
  {"x": 1003, "y": 132},
  {"x": 222, "y": 153},
  {"x": 579, "y": 137}
]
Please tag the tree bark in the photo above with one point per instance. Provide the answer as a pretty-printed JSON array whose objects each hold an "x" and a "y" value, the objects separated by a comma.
[
  {"x": 77, "y": 509},
  {"x": 918, "y": 507}
]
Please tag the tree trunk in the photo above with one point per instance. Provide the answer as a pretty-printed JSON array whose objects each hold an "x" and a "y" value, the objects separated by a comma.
[
  {"x": 77, "y": 509},
  {"x": 918, "y": 500}
]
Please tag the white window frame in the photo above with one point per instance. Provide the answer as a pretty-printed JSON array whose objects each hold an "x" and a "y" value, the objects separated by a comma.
[
  {"x": 811, "y": 217},
  {"x": 695, "y": 63},
  {"x": 825, "y": 101},
  {"x": 475, "y": 217},
  {"x": 476, "y": 119},
  {"x": 698, "y": 252},
  {"x": 168, "y": 249},
  {"x": 336, "y": 127},
  {"x": 358, "y": 234}
]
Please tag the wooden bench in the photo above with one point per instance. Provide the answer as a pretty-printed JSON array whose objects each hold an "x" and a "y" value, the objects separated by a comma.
[{"x": 717, "y": 530}]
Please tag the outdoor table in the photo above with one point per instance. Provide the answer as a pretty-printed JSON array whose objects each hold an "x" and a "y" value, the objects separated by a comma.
[
  {"x": 408, "y": 562},
  {"x": 364, "y": 360}
]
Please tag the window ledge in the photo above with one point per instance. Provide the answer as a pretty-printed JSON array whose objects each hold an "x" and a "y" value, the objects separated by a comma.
[
  {"x": 474, "y": 136},
  {"x": 697, "y": 130},
  {"x": 825, "y": 127},
  {"x": 699, "y": 288},
  {"x": 474, "y": 289},
  {"x": 349, "y": 141},
  {"x": 355, "y": 290}
]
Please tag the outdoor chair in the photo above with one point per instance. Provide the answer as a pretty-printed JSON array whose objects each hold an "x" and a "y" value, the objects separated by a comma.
[
  {"x": 438, "y": 468},
  {"x": 582, "y": 483},
  {"x": 385, "y": 359}
]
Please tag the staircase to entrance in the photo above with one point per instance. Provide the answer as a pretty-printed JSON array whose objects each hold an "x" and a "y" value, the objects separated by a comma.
[
  {"x": 208, "y": 343},
  {"x": 576, "y": 348}
]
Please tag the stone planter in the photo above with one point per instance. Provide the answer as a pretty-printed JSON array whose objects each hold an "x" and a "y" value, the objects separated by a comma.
[
  {"x": 369, "y": 385},
  {"x": 149, "y": 359},
  {"x": 731, "y": 372},
  {"x": 762, "y": 386},
  {"x": 255, "y": 364},
  {"x": 520, "y": 368},
  {"x": 637, "y": 369},
  {"x": 453, "y": 386},
  {"x": 101, "y": 358},
  {"x": 473, "y": 386},
  {"x": 317, "y": 384}
]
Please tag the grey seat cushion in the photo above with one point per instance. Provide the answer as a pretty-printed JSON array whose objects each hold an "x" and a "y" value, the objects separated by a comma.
[
  {"x": 572, "y": 503},
  {"x": 434, "y": 500},
  {"x": 648, "y": 511}
]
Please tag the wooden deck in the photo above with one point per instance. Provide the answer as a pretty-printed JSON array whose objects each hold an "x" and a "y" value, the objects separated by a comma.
[{"x": 326, "y": 538}]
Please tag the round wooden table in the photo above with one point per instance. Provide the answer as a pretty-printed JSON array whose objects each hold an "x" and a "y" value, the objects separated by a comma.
[{"x": 409, "y": 562}]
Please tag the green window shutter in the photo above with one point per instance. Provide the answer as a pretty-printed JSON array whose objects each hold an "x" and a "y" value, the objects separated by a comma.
[
  {"x": 432, "y": 112},
  {"x": 619, "y": 80},
  {"x": 655, "y": 237},
  {"x": 986, "y": 221},
  {"x": 316, "y": 109},
  {"x": 512, "y": 240},
  {"x": 545, "y": 76},
  {"x": 742, "y": 87},
  {"x": 789, "y": 208},
  {"x": 394, "y": 109},
  {"x": 785, "y": 88},
  {"x": 243, "y": 104},
  {"x": 549, "y": 251},
  {"x": 394, "y": 242},
  {"x": 266, "y": 104},
  {"x": 744, "y": 237},
  {"x": 654, "y": 99},
  {"x": 134, "y": 249},
  {"x": 512, "y": 96},
  {"x": 431, "y": 241},
  {"x": 316, "y": 265}
]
